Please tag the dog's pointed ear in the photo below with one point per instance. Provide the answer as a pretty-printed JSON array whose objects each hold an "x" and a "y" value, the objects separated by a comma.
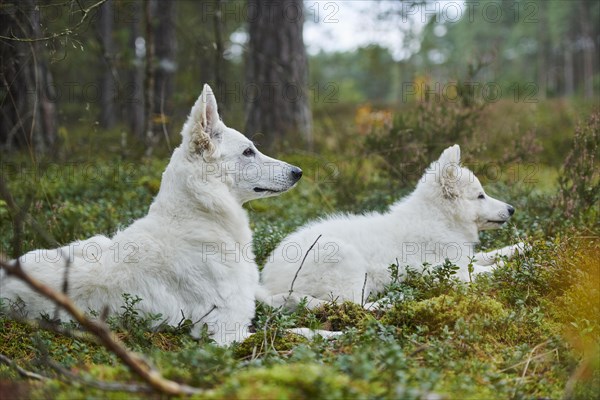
[
  {"x": 450, "y": 156},
  {"x": 203, "y": 127},
  {"x": 210, "y": 114},
  {"x": 449, "y": 170}
]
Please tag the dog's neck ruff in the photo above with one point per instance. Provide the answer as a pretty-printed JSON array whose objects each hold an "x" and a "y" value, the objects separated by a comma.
[{"x": 185, "y": 199}]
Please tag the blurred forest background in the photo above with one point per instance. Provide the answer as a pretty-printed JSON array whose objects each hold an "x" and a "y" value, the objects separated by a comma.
[
  {"x": 361, "y": 95},
  {"x": 71, "y": 67}
]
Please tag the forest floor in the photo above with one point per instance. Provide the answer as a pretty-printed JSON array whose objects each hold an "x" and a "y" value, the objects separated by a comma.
[{"x": 530, "y": 329}]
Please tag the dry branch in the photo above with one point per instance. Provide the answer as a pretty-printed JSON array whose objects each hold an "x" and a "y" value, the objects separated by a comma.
[
  {"x": 301, "y": 265},
  {"x": 106, "y": 386},
  {"x": 23, "y": 372},
  {"x": 67, "y": 376},
  {"x": 134, "y": 361},
  {"x": 67, "y": 31},
  {"x": 362, "y": 294}
]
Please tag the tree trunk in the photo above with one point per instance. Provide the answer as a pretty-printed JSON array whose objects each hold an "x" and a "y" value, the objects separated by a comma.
[
  {"x": 107, "y": 81},
  {"x": 134, "y": 90},
  {"x": 276, "y": 94},
  {"x": 166, "y": 51},
  {"x": 149, "y": 12},
  {"x": 219, "y": 60},
  {"x": 542, "y": 54},
  {"x": 588, "y": 49},
  {"x": 569, "y": 74},
  {"x": 27, "y": 110}
]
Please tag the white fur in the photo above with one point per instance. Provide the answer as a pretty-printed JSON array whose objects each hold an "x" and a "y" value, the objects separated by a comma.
[
  {"x": 191, "y": 254},
  {"x": 439, "y": 220}
]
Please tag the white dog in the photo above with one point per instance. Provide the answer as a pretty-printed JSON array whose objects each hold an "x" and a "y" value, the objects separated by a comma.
[
  {"x": 192, "y": 254},
  {"x": 440, "y": 220}
]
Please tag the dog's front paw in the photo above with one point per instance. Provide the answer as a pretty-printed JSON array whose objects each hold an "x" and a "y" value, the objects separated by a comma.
[
  {"x": 521, "y": 248},
  {"x": 479, "y": 269},
  {"x": 381, "y": 304},
  {"x": 310, "y": 334}
]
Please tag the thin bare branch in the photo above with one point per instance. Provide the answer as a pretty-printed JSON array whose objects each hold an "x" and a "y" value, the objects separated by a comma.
[
  {"x": 86, "y": 12},
  {"x": 65, "y": 284},
  {"x": 301, "y": 265},
  {"x": 107, "y": 386},
  {"x": 51, "y": 326},
  {"x": 68, "y": 376},
  {"x": 23, "y": 372},
  {"x": 362, "y": 294},
  {"x": 163, "y": 116},
  {"x": 134, "y": 361},
  {"x": 530, "y": 356}
]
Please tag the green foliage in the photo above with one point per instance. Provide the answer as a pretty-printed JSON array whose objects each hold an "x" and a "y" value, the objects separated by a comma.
[
  {"x": 267, "y": 341},
  {"x": 579, "y": 180},
  {"x": 421, "y": 134},
  {"x": 77, "y": 199},
  {"x": 510, "y": 39},
  {"x": 529, "y": 329},
  {"x": 133, "y": 322},
  {"x": 475, "y": 317},
  {"x": 334, "y": 316},
  {"x": 201, "y": 366},
  {"x": 420, "y": 283},
  {"x": 367, "y": 76},
  {"x": 297, "y": 381}
]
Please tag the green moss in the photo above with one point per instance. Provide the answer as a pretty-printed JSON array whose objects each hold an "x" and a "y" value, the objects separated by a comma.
[
  {"x": 14, "y": 337},
  {"x": 523, "y": 331},
  {"x": 294, "y": 381},
  {"x": 336, "y": 316},
  {"x": 58, "y": 390},
  {"x": 447, "y": 310},
  {"x": 23, "y": 342},
  {"x": 273, "y": 340}
]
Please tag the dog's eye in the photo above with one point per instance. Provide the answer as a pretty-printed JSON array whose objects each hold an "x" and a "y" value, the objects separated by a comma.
[
  {"x": 481, "y": 196},
  {"x": 248, "y": 152}
]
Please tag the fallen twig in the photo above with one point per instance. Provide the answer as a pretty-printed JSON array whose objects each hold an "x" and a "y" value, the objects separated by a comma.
[
  {"x": 301, "y": 265},
  {"x": 23, "y": 372},
  {"x": 107, "y": 386},
  {"x": 68, "y": 376},
  {"x": 530, "y": 357},
  {"x": 51, "y": 326},
  {"x": 362, "y": 295},
  {"x": 134, "y": 361}
]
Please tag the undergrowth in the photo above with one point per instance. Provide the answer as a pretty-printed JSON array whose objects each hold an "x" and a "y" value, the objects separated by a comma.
[{"x": 529, "y": 329}]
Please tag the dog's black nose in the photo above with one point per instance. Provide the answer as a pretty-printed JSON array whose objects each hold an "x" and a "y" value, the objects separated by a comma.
[
  {"x": 296, "y": 173},
  {"x": 511, "y": 210}
]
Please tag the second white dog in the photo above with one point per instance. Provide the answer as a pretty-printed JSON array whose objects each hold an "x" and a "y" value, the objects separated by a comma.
[{"x": 440, "y": 220}]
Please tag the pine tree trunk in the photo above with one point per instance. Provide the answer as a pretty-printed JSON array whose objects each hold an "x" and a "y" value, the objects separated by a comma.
[
  {"x": 166, "y": 51},
  {"x": 276, "y": 94},
  {"x": 542, "y": 58},
  {"x": 588, "y": 49},
  {"x": 569, "y": 70},
  {"x": 107, "y": 80},
  {"x": 219, "y": 60},
  {"x": 134, "y": 90},
  {"x": 27, "y": 110},
  {"x": 149, "y": 13}
]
